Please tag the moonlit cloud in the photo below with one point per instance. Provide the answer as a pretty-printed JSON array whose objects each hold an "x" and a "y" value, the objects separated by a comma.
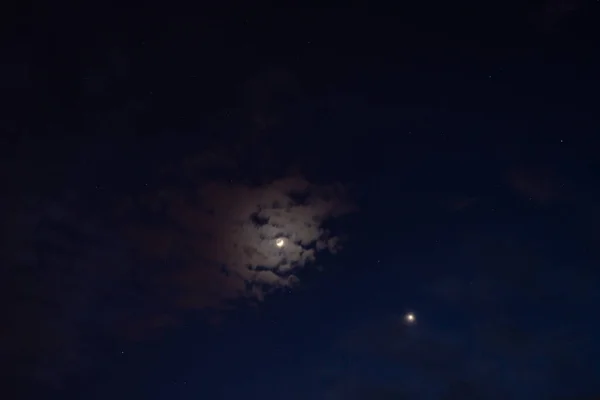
[{"x": 225, "y": 237}]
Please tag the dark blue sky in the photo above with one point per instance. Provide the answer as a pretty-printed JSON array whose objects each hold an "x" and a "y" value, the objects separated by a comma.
[{"x": 463, "y": 134}]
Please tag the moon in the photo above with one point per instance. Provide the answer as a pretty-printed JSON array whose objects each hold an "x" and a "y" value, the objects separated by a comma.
[{"x": 280, "y": 242}]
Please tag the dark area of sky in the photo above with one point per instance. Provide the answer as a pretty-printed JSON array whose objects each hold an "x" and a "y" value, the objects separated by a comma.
[{"x": 463, "y": 137}]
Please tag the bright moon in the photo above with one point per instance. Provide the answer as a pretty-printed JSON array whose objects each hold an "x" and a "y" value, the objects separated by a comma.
[
  {"x": 279, "y": 242},
  {"x": 410, "y": 318}
]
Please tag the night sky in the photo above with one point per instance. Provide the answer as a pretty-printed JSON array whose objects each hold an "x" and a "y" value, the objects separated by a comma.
[{"x": 301, "y": 202}]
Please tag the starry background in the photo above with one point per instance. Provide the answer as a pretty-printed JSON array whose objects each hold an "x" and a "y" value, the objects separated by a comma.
[{"x": 463, "y": 136}]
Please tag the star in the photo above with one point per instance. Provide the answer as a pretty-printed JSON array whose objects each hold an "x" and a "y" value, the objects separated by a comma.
[{"x": 410, "y": 318}]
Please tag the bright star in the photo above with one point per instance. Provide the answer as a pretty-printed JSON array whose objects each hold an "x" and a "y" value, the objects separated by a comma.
[{"x": 410, "y": 318}]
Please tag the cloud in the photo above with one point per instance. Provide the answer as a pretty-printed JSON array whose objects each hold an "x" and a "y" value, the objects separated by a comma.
[
  {"x": 555, "y": 12},
  {"x": 272, "y": 96},
  {"x": 56, "y": 268},
  {"x": 75, "y": 279},
  {"x": 201, "y": 237},
  {"x": 223, "y": 237},
  {"x": 493, "y": 360},
  {"x": 457, "y": 203},
  {"x": 537, "y": 184}
]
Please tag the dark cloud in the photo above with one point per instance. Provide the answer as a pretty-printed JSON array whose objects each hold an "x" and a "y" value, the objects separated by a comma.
[
  {"x": 459, "y": 202},
  {"x": 447, "y": 363},
  {"x": 537, "y": 183},
  {"x": 272, "y": 97},
  {"x": 78, "y": 277},
  {"x": 500, "y": 315},
  {"x": 57, "y": 267},
  {"x": 555, "y": 12}
]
